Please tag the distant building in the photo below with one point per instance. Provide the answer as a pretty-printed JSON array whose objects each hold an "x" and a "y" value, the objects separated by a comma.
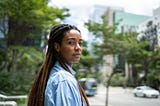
[
  {"x": 150, "y": 29},
  {"x": 129, "y": 23}
]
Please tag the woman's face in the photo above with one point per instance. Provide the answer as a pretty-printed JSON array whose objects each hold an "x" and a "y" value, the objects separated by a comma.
[{"x": 71, "y": 47}]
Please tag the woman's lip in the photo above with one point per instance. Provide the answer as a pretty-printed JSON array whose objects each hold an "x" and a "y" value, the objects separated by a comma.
[{"x": 76, "y": 54}]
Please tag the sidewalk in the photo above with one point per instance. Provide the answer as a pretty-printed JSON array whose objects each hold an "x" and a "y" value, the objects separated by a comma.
[
  {"x": 96, "y": 103},
  {"x": 99, "y": 99}
]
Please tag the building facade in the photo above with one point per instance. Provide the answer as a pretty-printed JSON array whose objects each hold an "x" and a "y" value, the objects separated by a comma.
[
  {"x": 150, "y": 29},
  {"x": 128, "y": 22}
]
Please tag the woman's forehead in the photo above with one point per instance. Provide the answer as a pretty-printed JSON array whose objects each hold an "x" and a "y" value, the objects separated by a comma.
[
  {"x": 73, "y": 31},
  {"x": 73, "y": 34}
]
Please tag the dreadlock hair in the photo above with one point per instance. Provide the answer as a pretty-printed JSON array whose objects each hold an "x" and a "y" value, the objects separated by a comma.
[{"x": 36, "y": 96}]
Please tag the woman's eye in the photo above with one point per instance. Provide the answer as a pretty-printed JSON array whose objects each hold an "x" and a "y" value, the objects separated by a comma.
[
  {"x": 71, "y": 42},
  {"x": 81, "y": 43}
]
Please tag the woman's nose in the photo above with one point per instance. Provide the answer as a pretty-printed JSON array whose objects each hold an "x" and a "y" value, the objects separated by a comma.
[{"x": 77, "y": 46}]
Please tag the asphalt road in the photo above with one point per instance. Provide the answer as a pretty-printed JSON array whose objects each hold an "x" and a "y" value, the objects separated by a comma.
[{"x": 120, "y": 97}]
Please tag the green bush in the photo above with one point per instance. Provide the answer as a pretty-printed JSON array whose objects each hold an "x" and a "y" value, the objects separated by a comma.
[
  {"x": 154, "y": 78},
  {"x": 22, "y": 64},
  {"x": 118, "y": 79}
]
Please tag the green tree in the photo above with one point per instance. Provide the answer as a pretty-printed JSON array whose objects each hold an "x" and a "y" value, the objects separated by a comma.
[
  {"x": 127, "y": 45},
  {"x": 107, "y": 40},
  {"x": 23, "y": 23},
  {"x": 27, "y": 19},
  {"x": 18, "y": 79},
  {"x": 149, "y": 59}
]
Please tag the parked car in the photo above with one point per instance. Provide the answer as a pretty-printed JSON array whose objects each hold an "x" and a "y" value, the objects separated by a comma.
[
  {"x": 89, "y": 85},
  {"x": 146, "y": 91}
]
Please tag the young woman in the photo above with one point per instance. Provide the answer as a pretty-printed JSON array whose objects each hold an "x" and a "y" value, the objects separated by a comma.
[{"x": 55, "y": 84}]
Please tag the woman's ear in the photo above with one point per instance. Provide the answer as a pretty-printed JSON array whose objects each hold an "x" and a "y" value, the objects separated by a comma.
[{"x": 57, "y": 47}]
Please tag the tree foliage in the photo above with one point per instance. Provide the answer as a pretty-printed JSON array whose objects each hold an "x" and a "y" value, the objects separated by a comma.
[
  {"x": 17, "y": 74},
  {"x": 127, "y": 45},
  {"x": 28, "y": 18},
  {"x": 23, "y": 24}
]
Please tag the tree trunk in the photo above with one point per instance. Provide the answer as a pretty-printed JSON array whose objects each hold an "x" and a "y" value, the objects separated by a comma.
[
  {"x": 146, "y": 70},
  {"x": 134, "y": 74},
  {"x": 19, "y": 33}
]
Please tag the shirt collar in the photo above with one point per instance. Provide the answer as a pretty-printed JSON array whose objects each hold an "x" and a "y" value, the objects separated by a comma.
[
  {"x": 69, "y": 67},
  {"x": 72, "y": 71}
]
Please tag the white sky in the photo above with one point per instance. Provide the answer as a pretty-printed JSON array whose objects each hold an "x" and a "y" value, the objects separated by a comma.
[{"x": 81, "y": 9}]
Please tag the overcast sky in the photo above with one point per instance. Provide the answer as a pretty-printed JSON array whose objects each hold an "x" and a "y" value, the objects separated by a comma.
[
  {"x": 81, "y": 9},
  {"x": 134, "y": 6}
]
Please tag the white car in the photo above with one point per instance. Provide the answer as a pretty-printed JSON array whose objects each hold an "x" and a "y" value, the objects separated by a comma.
[{"x": 146, "y": 91}]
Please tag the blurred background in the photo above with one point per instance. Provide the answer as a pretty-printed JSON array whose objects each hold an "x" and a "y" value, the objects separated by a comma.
[{"x": 121, "y": 49}]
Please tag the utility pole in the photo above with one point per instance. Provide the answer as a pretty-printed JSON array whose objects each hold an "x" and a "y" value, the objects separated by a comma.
[{"x": 107, "y": 89}]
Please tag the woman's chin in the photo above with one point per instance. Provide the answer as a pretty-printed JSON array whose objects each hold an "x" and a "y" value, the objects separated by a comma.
[{"x": 76, "y": 61}]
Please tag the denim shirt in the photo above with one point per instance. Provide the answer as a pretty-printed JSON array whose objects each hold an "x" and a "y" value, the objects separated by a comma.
[{"x": 62, "y": 88}]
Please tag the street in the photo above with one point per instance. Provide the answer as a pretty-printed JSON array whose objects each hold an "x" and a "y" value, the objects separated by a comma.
[{"x": 120, "y": 97}]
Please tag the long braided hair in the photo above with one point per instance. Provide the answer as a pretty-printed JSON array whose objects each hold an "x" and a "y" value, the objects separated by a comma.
[{"x": 36, "y": 96}]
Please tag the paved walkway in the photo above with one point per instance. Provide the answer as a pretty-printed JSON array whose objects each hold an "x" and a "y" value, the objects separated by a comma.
[{"x": 102, "y": 91}]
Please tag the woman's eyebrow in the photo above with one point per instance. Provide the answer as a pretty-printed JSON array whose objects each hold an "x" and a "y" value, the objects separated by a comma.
[{"x": 71, "y": 38}]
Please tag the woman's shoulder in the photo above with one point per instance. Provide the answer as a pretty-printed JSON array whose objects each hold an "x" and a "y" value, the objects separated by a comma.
[{"x": 60, "y": 76}]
